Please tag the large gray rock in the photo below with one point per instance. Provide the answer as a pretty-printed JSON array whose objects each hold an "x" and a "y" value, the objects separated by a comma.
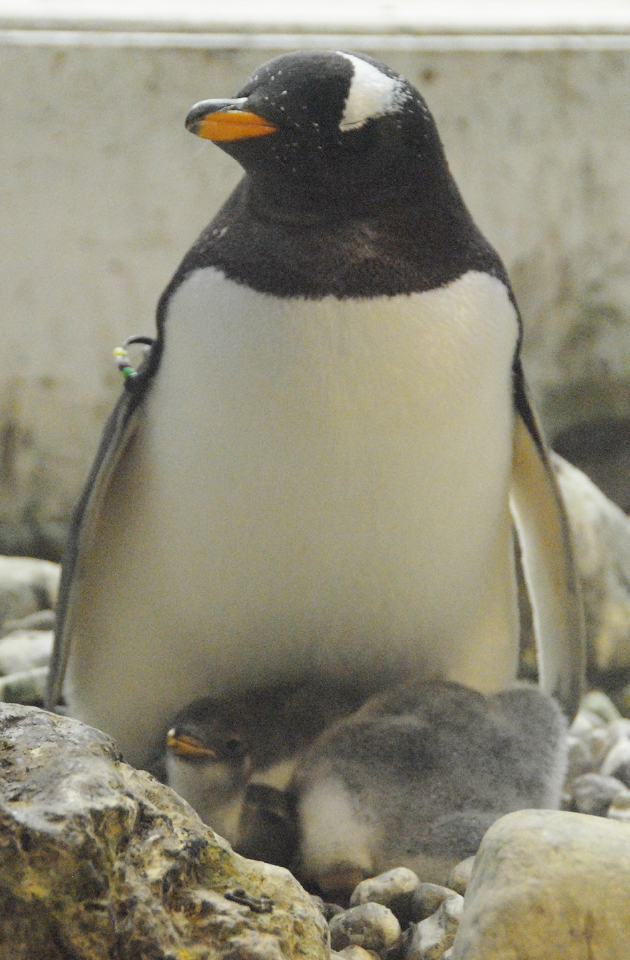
[
  {"x": 98, "y": 860},
  {"x": 548, "y": 886}
]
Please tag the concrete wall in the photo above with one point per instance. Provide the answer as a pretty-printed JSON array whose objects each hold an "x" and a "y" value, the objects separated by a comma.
[{"x": 102, "y": 191}]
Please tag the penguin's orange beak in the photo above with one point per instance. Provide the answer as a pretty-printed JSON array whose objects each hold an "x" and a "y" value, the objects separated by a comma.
[
  {"x": 222, "y": 120},
  {"x": 183, "y": 745}
]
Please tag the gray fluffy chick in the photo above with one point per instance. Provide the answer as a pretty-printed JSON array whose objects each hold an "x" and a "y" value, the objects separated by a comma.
[{"x": 417, "y": 775}]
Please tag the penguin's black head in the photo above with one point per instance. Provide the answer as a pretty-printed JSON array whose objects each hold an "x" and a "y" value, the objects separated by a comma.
[{"x": 320, "y": 131}]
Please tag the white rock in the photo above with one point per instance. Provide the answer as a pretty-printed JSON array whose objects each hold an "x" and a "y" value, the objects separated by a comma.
[
  {"x": 589, "y": 741},
  {"x": 585, "y": 720},
  {"x": 460, "y": 875},
  {"x": 393, "y": 889},
  {"x": 427, "y": 900},
  {"x": 599, "y": 743},
  {"x": 355, "y": 953},
  {"x": 370, "y": 925},
  {"x": 25, "y": 649},
  {"x": 27, "y": 687},
  {"x": 594, "y": 794},
  {"x": 617, "y": 762},
  {"x": 26, "y": 586},
  {"x": 433, "y": 936},
  {"x": 619, "y": 730},
  {"x": 595, "y": 701},
  {"x": 580, "y": 759},
  {"x": 620, "y": 807},
  {"x": 40, "y": 620}
]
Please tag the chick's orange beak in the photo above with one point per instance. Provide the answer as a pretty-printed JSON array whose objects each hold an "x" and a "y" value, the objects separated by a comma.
[
  {"x": 222, "y": 120},
  {"x": 184, "y": 745}
]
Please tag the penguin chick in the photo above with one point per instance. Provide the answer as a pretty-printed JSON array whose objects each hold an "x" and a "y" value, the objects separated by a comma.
[
  {"x": 312, "y": 472},
  {"x": 217, "y": 746},
  {"x": 417, "y": 776},
  {"x": 267, "y": 828}
]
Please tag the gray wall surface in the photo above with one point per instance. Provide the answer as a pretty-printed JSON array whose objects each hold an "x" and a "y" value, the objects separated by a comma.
[{"x": 102, "y": 191}]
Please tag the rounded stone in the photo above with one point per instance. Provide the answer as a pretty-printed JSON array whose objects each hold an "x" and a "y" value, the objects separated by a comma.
[
  {"x": 617, "y": 762},
  {"x": 40, "y": 620},
  {"x": 594, "y": 794},
  {"x": 370, "y": 925},
  {"x": 620, "y": 807},
  {"x": 433, "y": 936},
  {"x": 393, "y": 889},
  {"x": 584, "y": 721},
  {"x": 25, "y": 650},
  {"x": 601, "y": 705},
  {"x": 460, "y": 875},
  {"x": 622, "y": 698},
  {"x": 357, "y": 953},
  {"x": 580, "y": 760},
  {"x": 427, "y": 899},
  {"x": 26, "y": 687},
  {"x": 599, "y": 742},
  {"x": 26, "y": 586}
]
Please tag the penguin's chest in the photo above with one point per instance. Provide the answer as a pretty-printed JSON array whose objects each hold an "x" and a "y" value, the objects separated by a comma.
[{"x": 330, "y": 463}]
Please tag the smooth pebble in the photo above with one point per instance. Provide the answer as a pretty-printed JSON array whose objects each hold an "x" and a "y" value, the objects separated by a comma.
[
  {"x": 27, "y": 687},
  {"x": 620, "y": 807},
  {"x": 460, "y": 875},
  {"x": 617, "y": 762},
  {"x": 25, "y": 649},
  {"x": 370, "y": 925},
  {"x": 593, "y": 793},
  {"x": 393, "y": 889},
  {"x": 433, "y": 936},
  {"x": 355, "y": 952},
  {"x": 427, "y": 899}
]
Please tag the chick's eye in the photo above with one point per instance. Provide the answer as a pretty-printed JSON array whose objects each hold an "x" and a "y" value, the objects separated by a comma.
[{"x": 234, "y": 746}]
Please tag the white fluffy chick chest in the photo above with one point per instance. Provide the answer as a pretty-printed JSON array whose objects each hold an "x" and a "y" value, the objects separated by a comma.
[{"x": 332, "y": 476}]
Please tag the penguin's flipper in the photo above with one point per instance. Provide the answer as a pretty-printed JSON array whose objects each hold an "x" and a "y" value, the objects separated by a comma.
[
  {"x": 546, "y": 545},
  {"x": 118, "y": 431}
]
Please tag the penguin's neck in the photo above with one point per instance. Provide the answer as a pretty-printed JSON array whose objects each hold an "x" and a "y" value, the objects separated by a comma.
[
  {"x": 384, "y": 253},
  {"x": 306, "y": 201}
]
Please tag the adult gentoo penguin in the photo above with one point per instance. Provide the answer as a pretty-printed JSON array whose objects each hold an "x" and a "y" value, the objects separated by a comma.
[{"x": 310, "y": 474}]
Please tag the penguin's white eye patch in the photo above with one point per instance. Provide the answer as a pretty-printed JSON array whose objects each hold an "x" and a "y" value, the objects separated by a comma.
[{"x": 372, "y": 94}]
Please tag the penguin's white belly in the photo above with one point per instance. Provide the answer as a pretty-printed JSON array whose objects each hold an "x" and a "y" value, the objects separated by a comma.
[{"x": 316, "y": 486}]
